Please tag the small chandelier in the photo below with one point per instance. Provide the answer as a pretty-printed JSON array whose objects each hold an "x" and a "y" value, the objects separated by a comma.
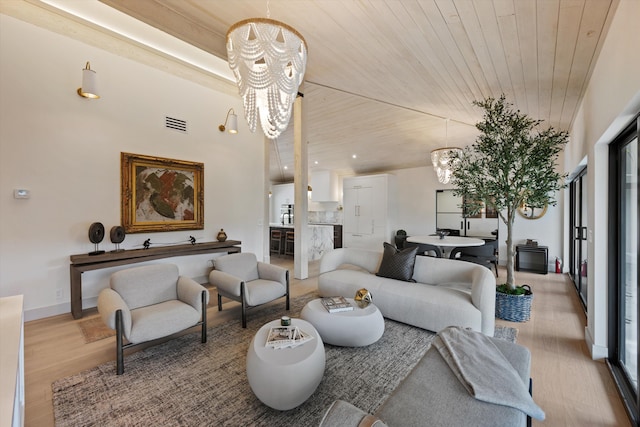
[
  {"x": 268, "y": 59},
  {"x": 443, "y": 159}
]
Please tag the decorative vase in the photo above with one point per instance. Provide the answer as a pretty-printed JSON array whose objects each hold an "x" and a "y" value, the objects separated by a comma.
[
  {"x": 222, "y": 236},
  {"x": 363, "y": 298},
  {"x": 514, "y": 308},
  {"x": 442, "y": 234}
]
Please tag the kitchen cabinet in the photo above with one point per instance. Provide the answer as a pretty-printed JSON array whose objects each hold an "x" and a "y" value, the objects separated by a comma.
[
  {"x": 281, "y": 194},
  {"x": 369, "y": 211}
]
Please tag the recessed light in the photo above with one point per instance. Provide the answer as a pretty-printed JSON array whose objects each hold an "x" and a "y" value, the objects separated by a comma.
[
  {"x": 353, "y": 156},
  {"x": 316, "y": 162},
  {"x": 286, "y": 167}
]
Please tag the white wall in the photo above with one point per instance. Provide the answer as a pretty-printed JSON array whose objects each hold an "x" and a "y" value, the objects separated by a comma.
[
  {"x": 416, "y": 199},
  {"x": 611, "y": 100},
  {"x": 66, "y": 150}
]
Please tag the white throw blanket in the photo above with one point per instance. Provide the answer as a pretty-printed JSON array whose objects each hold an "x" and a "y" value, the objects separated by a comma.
[{"x": 484, "y": 371}]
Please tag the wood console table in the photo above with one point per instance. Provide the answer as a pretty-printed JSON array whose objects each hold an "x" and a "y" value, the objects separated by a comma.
[{"x": 85, "y": 262}]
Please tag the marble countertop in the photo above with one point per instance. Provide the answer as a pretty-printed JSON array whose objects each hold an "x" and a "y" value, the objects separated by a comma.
[{"x": 279, "y": 225}]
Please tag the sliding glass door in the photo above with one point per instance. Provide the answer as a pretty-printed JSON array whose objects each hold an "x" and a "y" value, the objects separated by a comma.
[
  {"x": 629, "y": 261},
  {"x": 624, "y": 267},
  {"x": 578, "y": 253}
]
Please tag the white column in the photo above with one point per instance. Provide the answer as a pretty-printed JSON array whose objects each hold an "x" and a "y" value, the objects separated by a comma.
[
  {"x": 266, "y": 230},
  {"x": 301, "y": 181}
]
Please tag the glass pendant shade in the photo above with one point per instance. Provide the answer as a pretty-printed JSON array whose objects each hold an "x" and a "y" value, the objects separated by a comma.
[
  {"x": 443, "y": 159},
  {"x": 268, "y": 59}
]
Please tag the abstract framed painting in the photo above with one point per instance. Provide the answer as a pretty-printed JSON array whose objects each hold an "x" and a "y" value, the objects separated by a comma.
[{"x": 160, "y": 194}]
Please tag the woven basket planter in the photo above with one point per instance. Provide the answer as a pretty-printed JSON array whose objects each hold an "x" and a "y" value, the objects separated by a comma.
[{"x": 514, "y": 308}]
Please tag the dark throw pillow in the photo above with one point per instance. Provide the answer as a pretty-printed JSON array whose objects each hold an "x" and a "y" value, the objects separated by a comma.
[{"x": 397, "y": 264}]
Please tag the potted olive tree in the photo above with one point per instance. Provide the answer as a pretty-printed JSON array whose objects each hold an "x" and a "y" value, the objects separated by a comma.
[{"x": 511, "y": 164}]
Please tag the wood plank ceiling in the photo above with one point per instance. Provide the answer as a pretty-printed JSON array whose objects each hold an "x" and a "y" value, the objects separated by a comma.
[{"x": 384, "y": 75}]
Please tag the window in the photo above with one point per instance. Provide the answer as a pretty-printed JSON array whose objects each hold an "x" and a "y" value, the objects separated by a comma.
[{"x": 623, "y": 266}]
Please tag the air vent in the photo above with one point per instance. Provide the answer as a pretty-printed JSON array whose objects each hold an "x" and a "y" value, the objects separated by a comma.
[{"x": 175, "y": 124}]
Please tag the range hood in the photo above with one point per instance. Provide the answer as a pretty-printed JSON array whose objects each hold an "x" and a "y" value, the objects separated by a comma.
[{"x": 324, "y": 186}]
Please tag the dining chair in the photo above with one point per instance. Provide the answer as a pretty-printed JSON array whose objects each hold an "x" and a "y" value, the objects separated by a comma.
[
  {"x": 484, "y": 255},
  {"x": 400, "y": 240},
  {"x": 423, "y": 248}
]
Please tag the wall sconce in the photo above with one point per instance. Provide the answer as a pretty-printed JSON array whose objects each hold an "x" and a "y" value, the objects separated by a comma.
[
  {"x": 232, "y": 119},
  {"x": 89, "y": 86}
]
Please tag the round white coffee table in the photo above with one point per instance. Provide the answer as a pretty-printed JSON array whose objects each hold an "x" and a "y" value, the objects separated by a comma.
[
  {"x": 284, "y": 378},
  {"x": 356, "y": 328}
]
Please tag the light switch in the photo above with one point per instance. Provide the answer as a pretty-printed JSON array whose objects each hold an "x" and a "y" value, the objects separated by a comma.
[{"x": 21, "y": 194}]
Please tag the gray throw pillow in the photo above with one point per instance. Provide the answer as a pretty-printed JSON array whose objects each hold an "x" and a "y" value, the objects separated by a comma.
[{"x": 397, "y": 264}]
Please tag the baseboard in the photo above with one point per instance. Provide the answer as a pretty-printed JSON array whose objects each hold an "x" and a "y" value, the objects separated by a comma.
[
  {"x": 203, "y": 280},
  {"x": 597, "y": 352}
]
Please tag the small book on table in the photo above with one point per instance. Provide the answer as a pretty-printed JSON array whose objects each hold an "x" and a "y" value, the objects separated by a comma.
[
  {"x": 336, "y": 304},
  {"x": 287, "y": 337}
]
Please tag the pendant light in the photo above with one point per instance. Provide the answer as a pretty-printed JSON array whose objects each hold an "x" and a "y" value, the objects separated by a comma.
[{"x": 444, "y": 158}]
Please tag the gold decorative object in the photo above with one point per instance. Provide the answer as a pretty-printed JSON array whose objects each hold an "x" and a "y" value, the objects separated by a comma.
[
  {"x": 530, "y": 212},
  {"x": 222, "y": 236},
  {"x": 363, "y": 298}
]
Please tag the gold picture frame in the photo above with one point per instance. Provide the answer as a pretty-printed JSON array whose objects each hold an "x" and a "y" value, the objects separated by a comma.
[{"x": 160, "y": 194}]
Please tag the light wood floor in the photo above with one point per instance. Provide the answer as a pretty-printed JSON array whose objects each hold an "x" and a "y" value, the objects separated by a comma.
[{"x": 572, "y": 389}]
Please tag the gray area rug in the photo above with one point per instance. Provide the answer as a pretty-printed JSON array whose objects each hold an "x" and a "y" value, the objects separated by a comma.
[{"x": 183, "y": 382}]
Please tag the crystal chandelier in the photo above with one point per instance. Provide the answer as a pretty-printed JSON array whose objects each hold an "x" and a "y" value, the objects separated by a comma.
[
  {"x": 268, "y": 59},
  {"x": 443, "y": 159}
]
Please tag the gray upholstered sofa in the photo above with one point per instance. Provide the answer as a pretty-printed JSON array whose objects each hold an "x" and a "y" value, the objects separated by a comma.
[
  {"x": 431, "y": 395},
  {"x": 445, "y": 293}
]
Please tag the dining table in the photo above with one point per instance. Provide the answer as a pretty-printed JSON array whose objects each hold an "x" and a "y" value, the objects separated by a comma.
[{"x": 447, "y": 241}]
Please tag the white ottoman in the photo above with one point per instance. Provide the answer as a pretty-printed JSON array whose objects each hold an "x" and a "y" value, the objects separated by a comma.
[
  {"x": 284, "y": 378},
  {"x": 356, "y": 328}
]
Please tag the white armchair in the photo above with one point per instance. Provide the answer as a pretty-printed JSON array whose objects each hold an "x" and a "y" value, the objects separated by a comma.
[
  {"x": 151, "y": 302},
  {"x": 241, "y": 277}
]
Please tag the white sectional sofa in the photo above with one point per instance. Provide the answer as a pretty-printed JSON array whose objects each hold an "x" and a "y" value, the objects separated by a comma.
[{"x": 445, "y": 293}]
